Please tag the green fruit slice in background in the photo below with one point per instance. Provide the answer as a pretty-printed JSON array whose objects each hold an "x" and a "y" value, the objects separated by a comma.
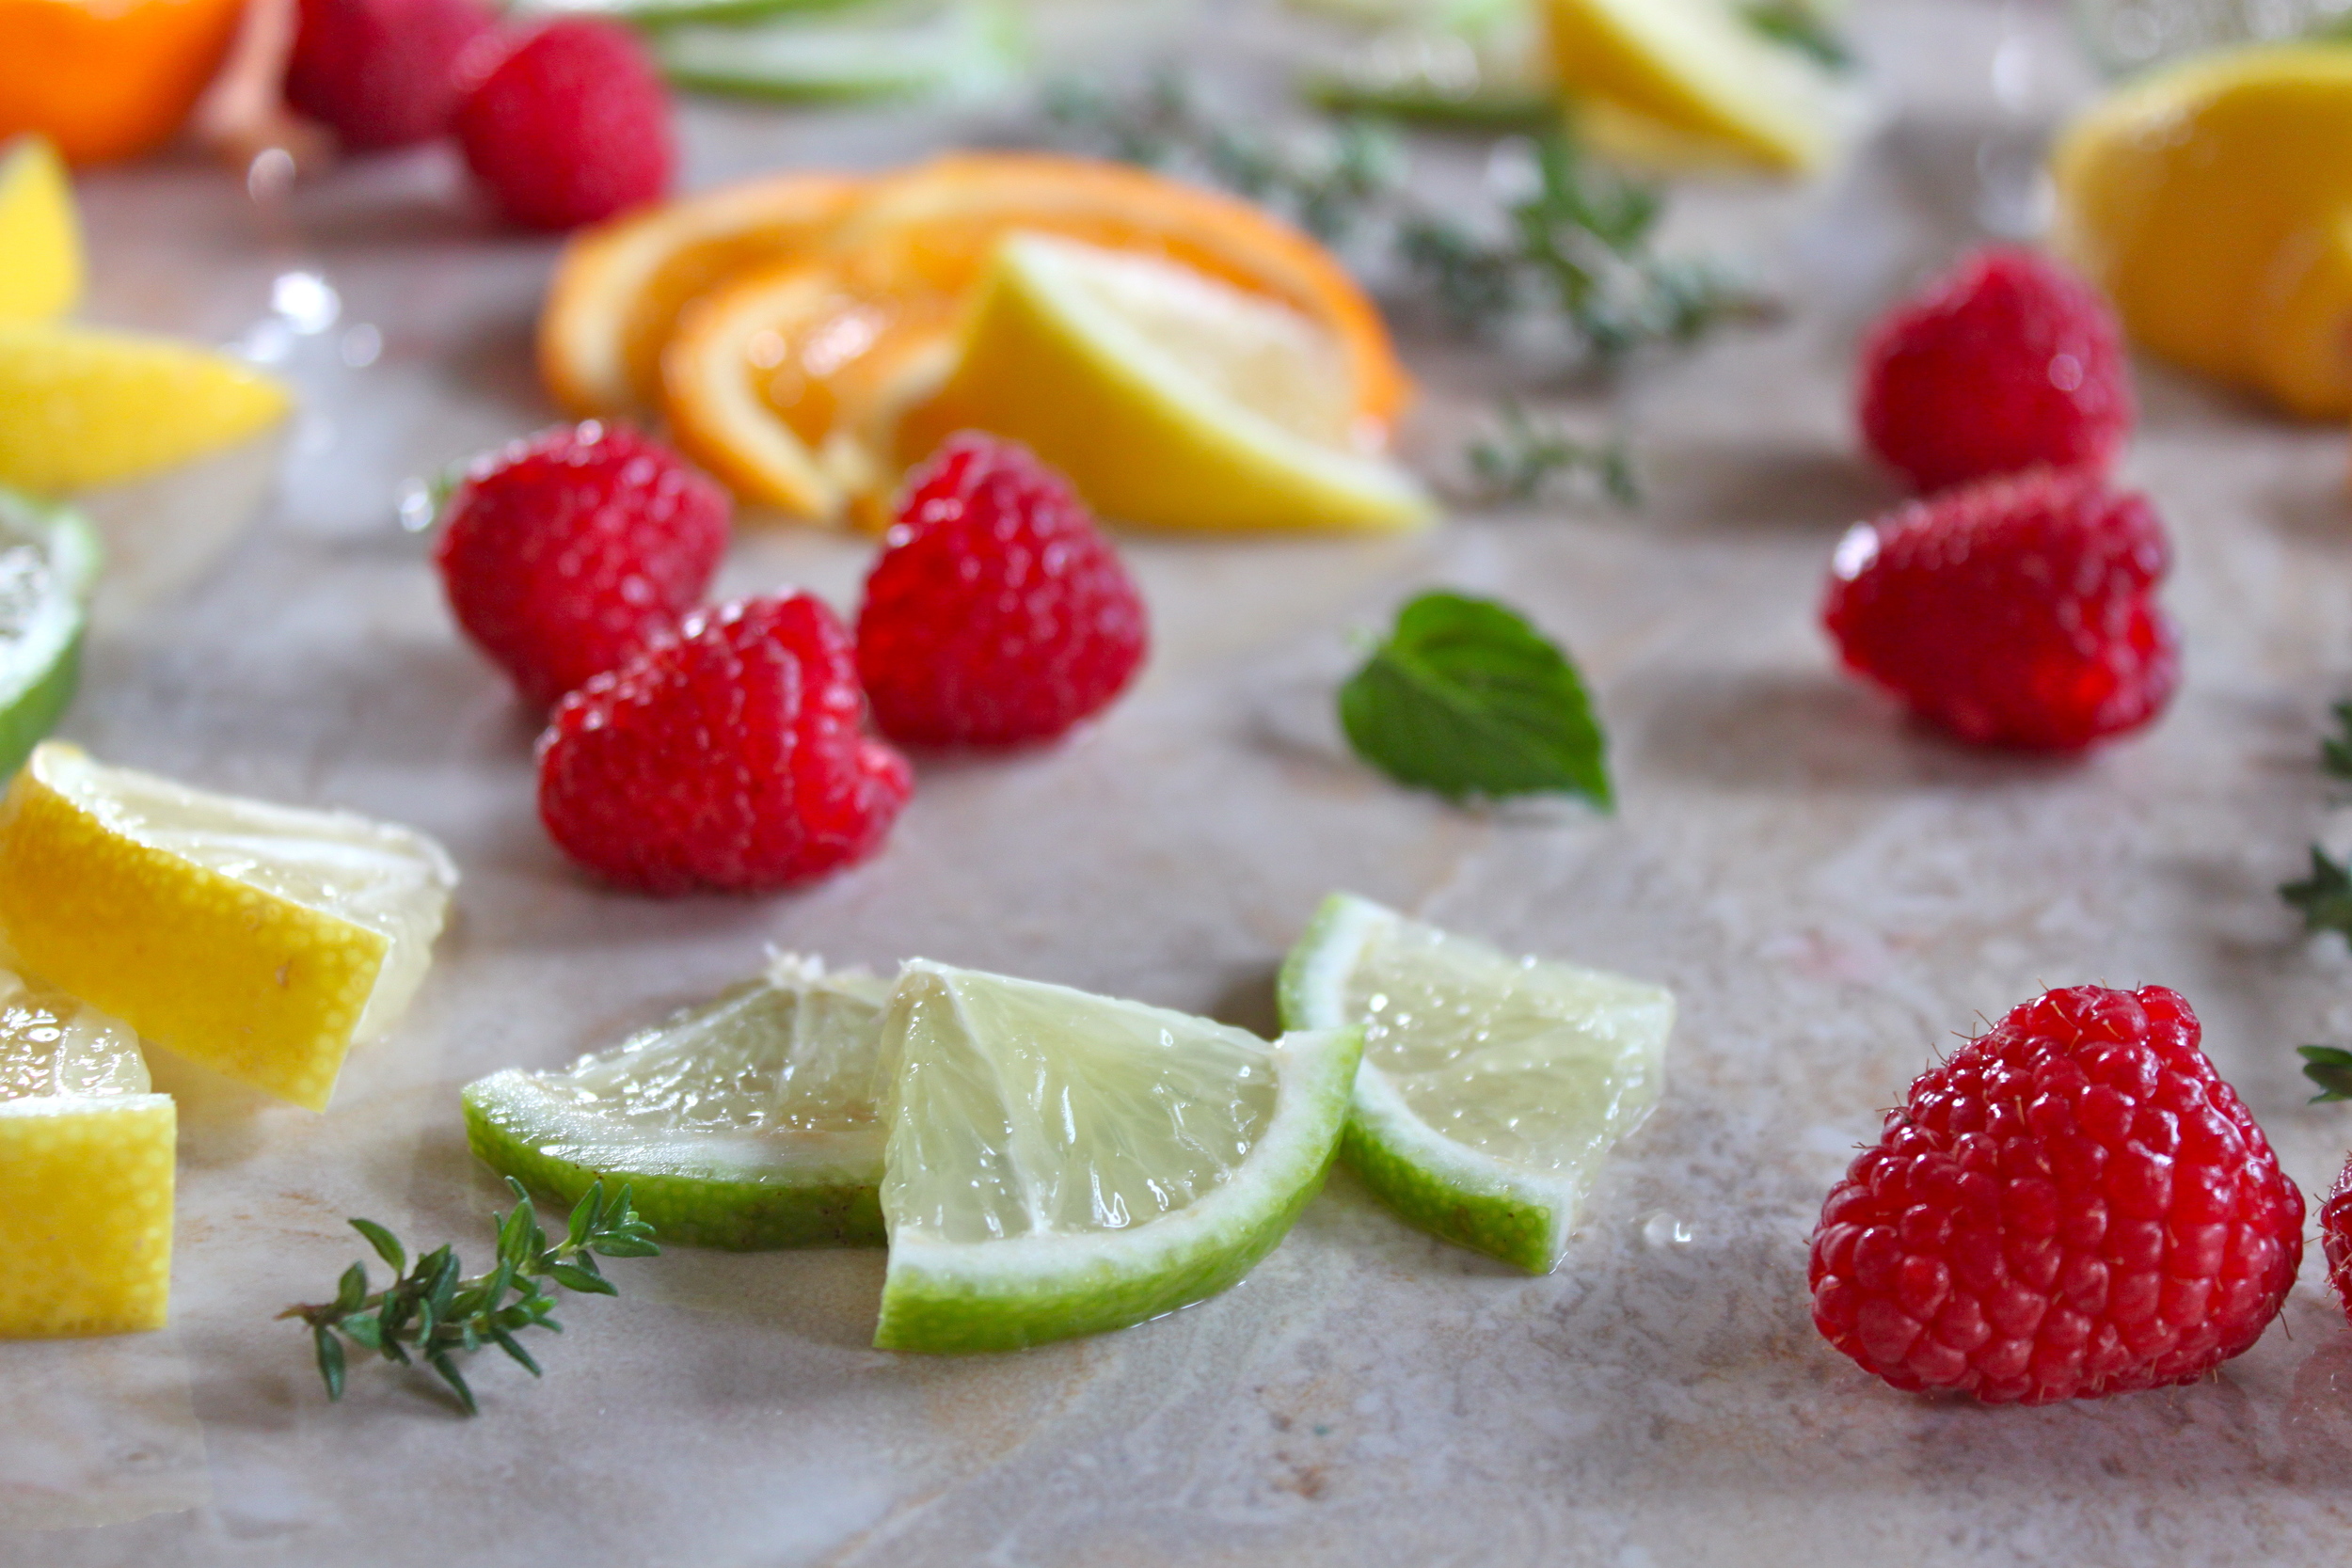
[
  {"x": 1492, "y": 1087},
  {"x": 747, "y": 1122},
  {"x": 1062, "y": 1164},
  {"x": 48, "y": 564},
  {"x": 907, "y": 48}
]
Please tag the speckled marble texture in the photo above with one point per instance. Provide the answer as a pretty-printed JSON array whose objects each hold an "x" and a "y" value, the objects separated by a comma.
[{"x": 1832, "y": 896}]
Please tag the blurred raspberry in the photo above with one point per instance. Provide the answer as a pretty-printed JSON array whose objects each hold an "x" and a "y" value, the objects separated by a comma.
[
  {"x": 733, "y": 756},
  {"x": 569, "y": 126},
  {"x": 2004, "y": 363},
  {"x": 382, "y": 73},
  {"x": 998, "y": 614},
  {"x": 2073, "y": 1205},
  {"x": 565, "y": 554},
  {"x": 2016, "y": 612}
]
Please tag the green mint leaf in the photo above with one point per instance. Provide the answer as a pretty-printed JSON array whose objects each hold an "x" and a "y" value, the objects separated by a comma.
[
  {"x": 512, "y": 1347},
  {"x": 1466, "y": 698},
  {"x": 353, "y": 1289},
  {"x": 514, "y": 1235},
  {"x": 573, "y": 1277},
  {"x": 2324, "y": 897},
  {"x": 2335, "y": 752},
  {"x": 584, "y": 1214},
  {"x": 387, "y": 1245},
  {"x": 447, "y": 1369},
  {"x": 331, "y": 1353},
  {"x": 2331, "y": 1068}
]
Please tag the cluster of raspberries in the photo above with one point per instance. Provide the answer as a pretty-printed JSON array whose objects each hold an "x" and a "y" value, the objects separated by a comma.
[
  {"x": 2014, "y": 603},
  {"x": 564, "y": 122},
  {"x": 727, "y": 747}
]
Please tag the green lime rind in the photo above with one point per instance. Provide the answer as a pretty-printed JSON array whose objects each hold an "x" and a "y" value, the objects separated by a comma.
[
  {"x": 44, "y": 613},
  {"x": 964, "y": 48},
  {"x": 952, "y": 1298},
  {"x": 656, "y": 14},
  {"x": 515, "y": 1128},
  {"x": 1431, "y": 1181}
]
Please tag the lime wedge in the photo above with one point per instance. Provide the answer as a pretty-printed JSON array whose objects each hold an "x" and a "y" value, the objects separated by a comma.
[
  {"x": 961, "y": 48},
  {"x": 1061, "y": 1163},
  {"x": 746, "y": 1122},
  {"x": 48, "y": 558},
  {"x": 1492, "y": 1087}
]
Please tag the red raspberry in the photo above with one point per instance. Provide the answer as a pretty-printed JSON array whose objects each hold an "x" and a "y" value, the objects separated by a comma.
[
  {"x": 566, "y": 553},
  {"x": 998, "y": 614},
  {"x": 382, "y": 73},
  {"x": 2006, "y": 362},
  {"x": 2073, "y": 1205},
  {"x": 731, "y": 756},
  {"x": 2335, "y": 1236},
  {"x": 2015, "y": 611},
  {"x": 572, "y": 125}
]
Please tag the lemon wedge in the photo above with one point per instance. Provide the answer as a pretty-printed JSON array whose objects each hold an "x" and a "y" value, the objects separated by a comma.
[
  {"x": 85, "y": 1171},
  {"x": 80, "y": 407},
  {"x": 1694, "y": 70},
  {"x": 1170, "y": 399},
  {"x": 2209, "y": 200},
  {"x": 261, "y": 941},
  {"x": 40, "y": 236}
]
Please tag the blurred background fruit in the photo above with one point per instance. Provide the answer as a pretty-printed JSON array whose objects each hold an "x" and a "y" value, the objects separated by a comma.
[
  {"x": 383, "y": 73},
  {"x": 40, "y": 236},
  {"x": 107, "y": 79},
  {"x": 571, "y": 126}
]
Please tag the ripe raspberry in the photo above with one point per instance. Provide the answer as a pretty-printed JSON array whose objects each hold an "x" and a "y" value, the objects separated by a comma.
[
  {"x": 2073, "y": 1205},
  {"x": 2335, "y": 1236},
  {"x": 998, "y": 614},
  {"x": 2014, "y": 611},
  {"x": 563, "y": 554},
  {"x": 571, "y": 126},
  {"x": 382, "y": 73},
  {"x": 2006, "y": 362},
  {"x": 731, "y": 756}
]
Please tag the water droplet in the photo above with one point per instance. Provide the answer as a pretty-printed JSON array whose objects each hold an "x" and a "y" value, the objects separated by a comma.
[
  {"x": 1662, "y": 1230},
  {"x": 307, "y": 301}
]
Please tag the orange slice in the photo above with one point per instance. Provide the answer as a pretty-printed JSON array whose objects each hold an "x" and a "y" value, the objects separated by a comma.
[
  {"x": 782, "y": 381},
  {"x": 621, "y": 286}
]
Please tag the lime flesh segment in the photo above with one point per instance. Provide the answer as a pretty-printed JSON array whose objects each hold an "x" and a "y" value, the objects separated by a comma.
[
  {"x": 961, "y": 48},
  {"x": 49, "y": 560},
  {"x": 1492, "y": 1087},
  {"x": 745, "y": 1123},
  {"x": 1061, "y": 1163}
]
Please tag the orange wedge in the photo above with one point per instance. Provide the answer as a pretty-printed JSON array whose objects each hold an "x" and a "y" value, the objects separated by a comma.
[
  {"x": 781, "y": 380},
  {"x": 620, "y": 287}
]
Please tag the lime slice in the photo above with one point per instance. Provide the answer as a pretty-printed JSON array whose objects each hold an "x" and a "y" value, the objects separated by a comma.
[
  {"x": 1061, "y": 1163},
  {"x": 1492, "y": 1087},
  {"x": 85, "y": 1171},
  {"x": 1170, "y": 398},
  {"x": 961, "y": 48},
  {"x": 262, "y": 940},
  {"x": 48, "y": 558},
  {"x": 746, "y": 1122}
]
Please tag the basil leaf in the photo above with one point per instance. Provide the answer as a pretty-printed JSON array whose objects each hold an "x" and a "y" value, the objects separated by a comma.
[{"x": 1466, "y": 698}]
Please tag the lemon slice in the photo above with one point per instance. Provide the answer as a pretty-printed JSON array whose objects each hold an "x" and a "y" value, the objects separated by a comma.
[
  {"x": 80, "y": 407},
  {"x": 1492, "y": 1087},
  {"x": 746, "y": 1122},
  {"x": 40, "y": 236},
  {"x": 49, "y": 559},
  {"x": 1061, "y": 1163},
  {"x": 1696, "y": 68},
  {"x": 1170, "y": 398},
  {"x": 261, "y": 941},
  {"x": 85, "y": 1171}
]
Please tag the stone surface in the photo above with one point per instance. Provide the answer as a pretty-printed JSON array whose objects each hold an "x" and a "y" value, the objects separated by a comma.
[{"x": 1832, "y": 895}]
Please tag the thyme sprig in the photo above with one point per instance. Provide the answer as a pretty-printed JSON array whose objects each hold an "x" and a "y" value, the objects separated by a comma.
[
  {"x": 429, "y": 1314},
  {"x": 1578, "y": 248},
  {"x": 2324, "y": 899},
  {"x": 1523, "y": 455}
]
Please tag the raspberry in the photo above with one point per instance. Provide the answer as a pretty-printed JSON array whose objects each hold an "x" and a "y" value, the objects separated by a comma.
[
  {"x": 382, "y": 73},
  {"x": 998, "y": 614},
  {"x": 565, "y": 554},
  {"x": 2015, "y": 611},
  {"x": 2006, "y": 362},
  {"x": 2073, "y": 1205},
  {"x": 731, "y": 756},
  {"x": 571, "y": 126},
  {"x": 2335, "y": 1236}
]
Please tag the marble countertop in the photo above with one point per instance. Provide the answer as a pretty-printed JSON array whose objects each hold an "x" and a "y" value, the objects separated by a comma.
[{"x": 1832, "y": 896}]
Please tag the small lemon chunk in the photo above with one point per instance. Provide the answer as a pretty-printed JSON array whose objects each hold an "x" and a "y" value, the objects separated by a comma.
[
  {"x": 40, "y": 235},
  {"x": 80, "y": 407},
  {"x": 261, "y": 941},
  {"x": 85, "y": 1171}
]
